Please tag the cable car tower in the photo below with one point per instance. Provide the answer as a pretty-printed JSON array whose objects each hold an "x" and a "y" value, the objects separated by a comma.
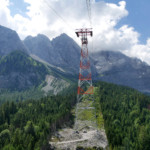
[{"x": 85, "y": 111}]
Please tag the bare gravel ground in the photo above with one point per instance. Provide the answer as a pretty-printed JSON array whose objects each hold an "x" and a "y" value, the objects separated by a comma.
[{"x": 69, "y": 139}]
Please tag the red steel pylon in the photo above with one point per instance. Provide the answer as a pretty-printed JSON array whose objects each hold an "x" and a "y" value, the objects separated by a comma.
[
  {"x": 85, "y": 77},
  {"x": 85, "y": 89}
]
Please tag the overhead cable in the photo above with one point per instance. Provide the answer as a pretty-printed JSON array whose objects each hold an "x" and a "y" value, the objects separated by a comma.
[
  {"x": 58, "y": 15},
  {"x": 88, "y": 4}
]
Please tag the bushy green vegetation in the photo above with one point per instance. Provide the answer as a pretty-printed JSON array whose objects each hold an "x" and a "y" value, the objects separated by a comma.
[
  {"x": 126, "y": 113},
  {"x": 28, "y": 125},
  {"x": 19, "y": 61}
]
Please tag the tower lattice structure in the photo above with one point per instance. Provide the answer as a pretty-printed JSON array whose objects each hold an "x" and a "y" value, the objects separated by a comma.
[{"x": 85, "y": 110}]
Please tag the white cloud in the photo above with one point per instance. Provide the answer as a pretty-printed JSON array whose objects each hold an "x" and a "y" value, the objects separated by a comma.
[
  {"x": 140, "y": 51},
  {"x": 105, "y": 17},
  {"x": 4, "y": 12},
  {"x": 43, "y": 18}
]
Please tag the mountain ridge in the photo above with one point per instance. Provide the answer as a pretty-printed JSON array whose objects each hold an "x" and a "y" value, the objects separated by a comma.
[
  {"x": 59, "y": 52},
  {"x": 63, "y": 54},
  {"x": 115, "y": 67}
]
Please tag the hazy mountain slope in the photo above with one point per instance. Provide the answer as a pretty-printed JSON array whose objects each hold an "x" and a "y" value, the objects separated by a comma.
[
  {"x": 19, "y": 71},
  {"x": 10, "y": 41},
  {"x": 117, "y": 68},
  {"x": 22, "y": 77}
]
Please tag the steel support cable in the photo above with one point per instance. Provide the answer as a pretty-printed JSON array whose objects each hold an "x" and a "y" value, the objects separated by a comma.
[
  {"x": 88, "y": 4},
  {"x": 59, "y": 16},
  {"x": 89, "y": 10}
]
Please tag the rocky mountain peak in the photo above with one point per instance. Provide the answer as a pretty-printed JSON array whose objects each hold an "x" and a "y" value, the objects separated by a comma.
[
  {"x": 62, "y": 51},
  {"x": 39, "y": 45},
  {"x": 10, "y": 41}
]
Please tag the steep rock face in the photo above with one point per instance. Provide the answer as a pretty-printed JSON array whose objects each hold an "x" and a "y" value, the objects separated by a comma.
[
  {"x": 68, "y": 52},
  {"x": 61, "y": 51},
  {"x": 40, "y": 46},
  {"x": 118, "y": 68},
  {"x": 10, "y": 41}
]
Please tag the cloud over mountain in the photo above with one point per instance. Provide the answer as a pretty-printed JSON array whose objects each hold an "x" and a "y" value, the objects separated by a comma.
[{"x": 45, "y": 17}]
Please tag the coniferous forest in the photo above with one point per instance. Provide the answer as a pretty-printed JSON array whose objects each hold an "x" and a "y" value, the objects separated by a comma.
[
  {"x": 28, "y": 125},
  {"x": 126, "y": 113}
]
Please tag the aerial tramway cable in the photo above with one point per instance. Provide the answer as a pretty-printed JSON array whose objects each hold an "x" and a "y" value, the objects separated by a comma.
[
  {"x": 58, "y": 15},
  {"x": 89, "y": 10},
  {"x": 88, "y": 4}
]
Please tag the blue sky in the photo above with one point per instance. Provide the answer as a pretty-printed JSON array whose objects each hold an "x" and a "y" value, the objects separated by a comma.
[
  {"x": 18, "y": 6},
  {"x": 139, "y": 16}
]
